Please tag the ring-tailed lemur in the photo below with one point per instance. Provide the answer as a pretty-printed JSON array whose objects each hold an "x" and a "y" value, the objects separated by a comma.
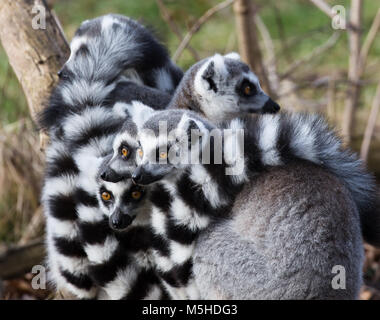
[
  {"x": 81, "y": 119},
  {"x": 190, "y": 196},
  {"x": 221, "y": 88}
]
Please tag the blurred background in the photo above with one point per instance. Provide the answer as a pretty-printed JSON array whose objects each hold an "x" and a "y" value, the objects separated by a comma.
[{"x": 302, "y": 61}]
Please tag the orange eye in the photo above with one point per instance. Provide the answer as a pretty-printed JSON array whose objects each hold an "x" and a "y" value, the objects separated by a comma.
[
  {"x": 163, "y": 155},
  {"x": 247, "y": 90},
  {"x": 140, "y": 153},
  {"x": 124, "y": 152},
  {"x": 136, "y": 195},
  {"x": 106, "y": 196}
]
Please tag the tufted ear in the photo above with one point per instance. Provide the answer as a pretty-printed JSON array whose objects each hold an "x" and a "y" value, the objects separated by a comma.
[
  {"x": 233, "y": 55},
  {"x": 136, "y": 111},
  {"x": 189, "y": 127},
  {"x": 208, "y": 75}
]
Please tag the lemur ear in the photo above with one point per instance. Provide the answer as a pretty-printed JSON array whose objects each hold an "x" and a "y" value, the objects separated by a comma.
[
  {"x": 188, "y": 126},
  {"x": 233, "y": 55},
  {"x": 208, "y": 75},
  {"x": 136, "y": 111}
]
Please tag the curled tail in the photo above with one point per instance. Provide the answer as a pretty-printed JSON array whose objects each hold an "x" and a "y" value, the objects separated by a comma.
[
  {"x": 314, "y": 140},
  {"x": 286, "y": 136},
  {"x": 102, "y": 50}
]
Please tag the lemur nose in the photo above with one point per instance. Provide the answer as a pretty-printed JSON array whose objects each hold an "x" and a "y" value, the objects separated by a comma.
[
  {"x": 136, "y": 176},
  {"x": 120, "y": 221},
  {"x": 115, "y": 223},
  {"x": 271, "y": 106},
  {"x": 110, "y": 175}
]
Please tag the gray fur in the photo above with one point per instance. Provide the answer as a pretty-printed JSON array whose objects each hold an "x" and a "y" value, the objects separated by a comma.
[{"x": 289, "y": 228}]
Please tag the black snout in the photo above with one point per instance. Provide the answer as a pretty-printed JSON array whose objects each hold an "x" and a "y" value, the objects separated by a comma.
[
  {"x": 120, "y": 221},
  {"x": 142, "y": 177},
  {"x": 270, "y": 106},
  {"x": 110, "y": 175}
]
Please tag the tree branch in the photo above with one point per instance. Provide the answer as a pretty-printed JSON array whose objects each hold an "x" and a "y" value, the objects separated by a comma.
[
  {"x": 371, "y": 124},
  {"x": 371, "y": 35},
  {"x": 316, "y": 52},
  {"x": 324, "y": 7},
  {"x": 248, "y": 41},
  {"x": 197, "y": 25},
  {"x": 353, "y": 91},
  {"x": 174, "y": 28}
]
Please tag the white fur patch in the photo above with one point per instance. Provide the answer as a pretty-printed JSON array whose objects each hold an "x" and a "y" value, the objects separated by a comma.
[
  {"x": 158, "y": 219},
  {"x": 268, "y": 140},
  {"x": 209, "y": 187},
  {"x": 233, "y": 55},
  {"x": 61, "y": 228},
  {"x": 107, "y": 22},
  {"x": 154, "y": 293},
  {"x": 220, "y": 66},
  {"x": 183, "y": 215},
  {"x": 63, "y": 185},
  {"x": 163, "y": 263},
  {"x": 122, "y": 283},
  {"x": 99, "y": 253},
  {"x": 180, "y": 253},
  {"x": 89, "y": 214},
  {"x": 303, "y": 141}
]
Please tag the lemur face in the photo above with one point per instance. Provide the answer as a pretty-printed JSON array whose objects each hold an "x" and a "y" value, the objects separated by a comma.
[
  {"x": 166, "y": 155},
  {"x": 226, "y": 88},
  {"x": 125, "y": 146},
  {"x": 122, "y": 201}
]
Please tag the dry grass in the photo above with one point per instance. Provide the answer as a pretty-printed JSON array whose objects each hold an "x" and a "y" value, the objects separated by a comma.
[{"x": 21, "y": 169}]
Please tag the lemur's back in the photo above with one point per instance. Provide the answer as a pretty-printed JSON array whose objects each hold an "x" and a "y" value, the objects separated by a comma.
[{"x": 290, "y": 227}]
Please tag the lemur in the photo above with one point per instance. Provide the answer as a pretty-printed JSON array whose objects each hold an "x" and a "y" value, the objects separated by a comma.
[
  {"x": 221, "y": 88},
  {"x": 81, "y": 121}
]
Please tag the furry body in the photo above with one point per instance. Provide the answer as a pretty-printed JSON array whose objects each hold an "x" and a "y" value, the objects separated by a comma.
[{"x": 289, "y": 227}]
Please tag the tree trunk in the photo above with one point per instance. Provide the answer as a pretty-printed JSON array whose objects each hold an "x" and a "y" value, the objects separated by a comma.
[
  {"x": 371, "y": 124},
  {"x": 35, "y": 55},
  {"x": 353, "y": 91},
  {"x": 248, "y": 41}
]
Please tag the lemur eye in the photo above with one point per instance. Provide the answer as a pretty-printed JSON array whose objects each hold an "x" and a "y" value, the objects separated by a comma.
[
  {"x": 140, "y": 152},
  {"x": 124, "y": 152},
  {"x": 163, "y": 155},
  {"x": 136, "y": 195},
  {"x": 248, "y": 89},
  {"x": 106, "y": 196}
]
